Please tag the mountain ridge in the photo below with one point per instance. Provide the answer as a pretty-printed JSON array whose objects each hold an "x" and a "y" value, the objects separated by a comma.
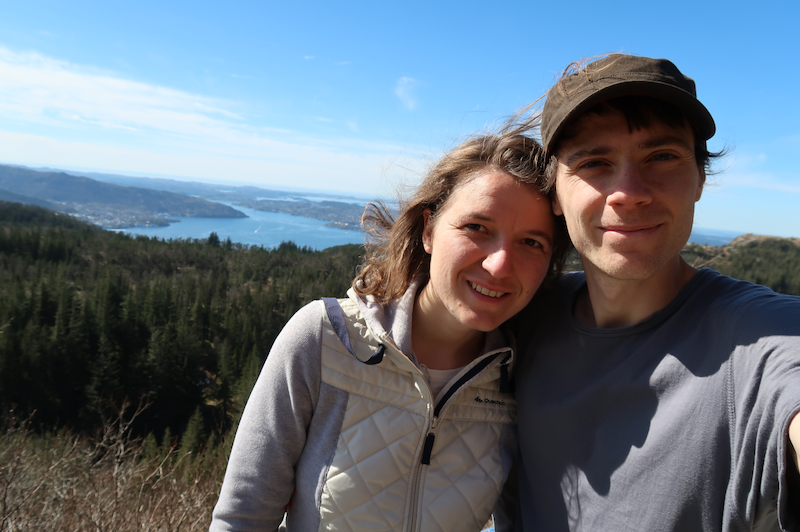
[{"x": 90, "y": 198}]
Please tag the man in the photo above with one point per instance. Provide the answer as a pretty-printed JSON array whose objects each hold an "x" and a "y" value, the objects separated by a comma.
[{"x": 652, "y": 396}]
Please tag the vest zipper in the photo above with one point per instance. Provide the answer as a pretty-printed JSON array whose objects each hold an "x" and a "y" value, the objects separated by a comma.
[
  {"x": 430, "y": 438},
  {"x": 417, "y": 474}
]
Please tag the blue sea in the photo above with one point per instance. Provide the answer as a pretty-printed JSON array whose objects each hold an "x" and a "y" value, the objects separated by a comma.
[
  {"x": 712, "y": 237},
  {"x": 267, "y": 229}
]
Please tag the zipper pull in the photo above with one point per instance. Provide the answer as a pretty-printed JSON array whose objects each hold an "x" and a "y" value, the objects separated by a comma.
[
  {"x": 506, "y": 384},
  {"x": 428, "y": 448},
  {"x": 426, "y": 451}
]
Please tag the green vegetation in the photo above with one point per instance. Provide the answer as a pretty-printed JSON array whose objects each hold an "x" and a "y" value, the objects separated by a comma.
[
  {"x": 770, "y": 261},
  {"x": 92, "y": 318},
  {"x": 92, "y": 322}
]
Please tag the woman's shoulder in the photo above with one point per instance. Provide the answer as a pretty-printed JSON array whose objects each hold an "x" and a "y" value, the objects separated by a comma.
[{"x": 303, "y": 331}]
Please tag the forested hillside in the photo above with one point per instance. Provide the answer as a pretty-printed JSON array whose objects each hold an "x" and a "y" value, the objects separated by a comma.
[
  {"x": 771, "y": 261},
  {"x": 91, "y": 317},
  {"x": 94, "y": 323}
]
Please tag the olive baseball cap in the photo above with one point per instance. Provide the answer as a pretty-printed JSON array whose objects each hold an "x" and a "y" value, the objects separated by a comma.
[{"x": 621, "y": 75}]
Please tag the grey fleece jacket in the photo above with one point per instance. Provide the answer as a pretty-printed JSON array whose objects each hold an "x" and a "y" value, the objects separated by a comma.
[{"x": 290, "y": 438}]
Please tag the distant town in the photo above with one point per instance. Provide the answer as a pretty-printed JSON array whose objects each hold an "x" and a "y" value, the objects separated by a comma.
[{"x": 119, "y": 202}]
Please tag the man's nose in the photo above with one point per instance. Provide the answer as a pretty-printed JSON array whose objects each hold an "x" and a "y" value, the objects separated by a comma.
[{"x": 629, "y": 187}]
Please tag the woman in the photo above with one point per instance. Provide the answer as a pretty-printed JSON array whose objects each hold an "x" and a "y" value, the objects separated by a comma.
[{"x": 391, "y": 410}]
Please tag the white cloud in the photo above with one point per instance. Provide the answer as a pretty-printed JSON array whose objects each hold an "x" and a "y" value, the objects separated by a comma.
[
  {"x": 308, "y": 57},
  {"x": 57, "y": 113},
  {"x": 405, "y": 90},
  {"x": 756, "y": 170},
  {"x": 760, "y": 181},
  {"x": 321, "y": 168},
  {"x": 37, "y": 89}
]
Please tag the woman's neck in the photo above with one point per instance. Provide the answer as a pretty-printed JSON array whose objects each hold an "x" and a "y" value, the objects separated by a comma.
[{"x": 439, "y": 340}]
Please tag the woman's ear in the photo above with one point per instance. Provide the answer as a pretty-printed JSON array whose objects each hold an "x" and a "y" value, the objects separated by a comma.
[{"x": 427, "y": 232}]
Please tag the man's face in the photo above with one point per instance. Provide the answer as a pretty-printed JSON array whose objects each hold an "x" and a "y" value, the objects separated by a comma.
[{"x": 627, "y": 197}]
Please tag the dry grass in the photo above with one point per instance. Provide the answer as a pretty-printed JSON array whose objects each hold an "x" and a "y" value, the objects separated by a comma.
[
  {"x": 110, "y": 483},
  {"x": 66, "y": 483}
]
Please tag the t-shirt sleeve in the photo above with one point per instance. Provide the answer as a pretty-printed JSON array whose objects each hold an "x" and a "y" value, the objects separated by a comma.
[
  {"x": 766, "y": 383},
  {"x": 260, "y": 477}
]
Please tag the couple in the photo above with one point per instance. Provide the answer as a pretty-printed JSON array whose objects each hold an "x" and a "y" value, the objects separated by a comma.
[{"x": 651, "y": 396}]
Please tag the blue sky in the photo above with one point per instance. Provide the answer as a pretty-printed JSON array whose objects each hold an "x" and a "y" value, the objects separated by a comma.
[{"x": 362, "y": 96}]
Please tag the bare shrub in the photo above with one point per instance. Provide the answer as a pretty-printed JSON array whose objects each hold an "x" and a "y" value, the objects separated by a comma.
[{"x": 62, "y": 482}]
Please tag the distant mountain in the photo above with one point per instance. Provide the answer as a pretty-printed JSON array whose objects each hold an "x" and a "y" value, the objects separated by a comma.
[
  {"x": 77, "y": 192},
  {"x": 7, "y": 195},
  {"x": 215, "y": 191}
]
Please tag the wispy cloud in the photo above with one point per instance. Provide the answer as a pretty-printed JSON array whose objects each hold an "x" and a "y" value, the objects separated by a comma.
[
  {"x": 342, "y": 63},
  {"x": 755, "y": 169},
  {"x": 81, "y": 116},
  {"x": 38, "y": 89},
  {"x": 405, "y": 90},
  {"x": 760, "y": 181},
  {"x": 308, "y": 57}
]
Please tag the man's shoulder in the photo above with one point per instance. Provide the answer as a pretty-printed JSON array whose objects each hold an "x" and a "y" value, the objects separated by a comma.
[{"x": 751, "y": 305}]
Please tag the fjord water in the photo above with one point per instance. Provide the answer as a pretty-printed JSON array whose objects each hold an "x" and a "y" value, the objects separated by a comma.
[
  {"x": 269, "y": 229},
  {"x": 266, "y": 229}
]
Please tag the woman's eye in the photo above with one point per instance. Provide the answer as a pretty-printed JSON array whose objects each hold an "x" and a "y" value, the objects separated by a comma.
[
  {"x": 474, "y": 227},
  {"x": 533, "y": 243}
]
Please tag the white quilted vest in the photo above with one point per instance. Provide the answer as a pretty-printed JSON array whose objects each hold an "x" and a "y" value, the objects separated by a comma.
[{"x": 377, "y": 479}]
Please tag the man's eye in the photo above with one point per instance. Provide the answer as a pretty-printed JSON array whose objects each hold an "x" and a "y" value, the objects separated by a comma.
[
  {"x": 592, "y": 164},
  {"x": 663, "y": 156},
  {"x": 474, "y": 227}
]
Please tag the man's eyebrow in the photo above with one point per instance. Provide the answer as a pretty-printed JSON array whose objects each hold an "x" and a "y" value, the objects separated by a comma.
[{"x": 666, "y": 140}]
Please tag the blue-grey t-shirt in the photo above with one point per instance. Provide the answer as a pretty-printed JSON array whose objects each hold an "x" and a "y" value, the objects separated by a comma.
[{"x": 677, "y": 423}]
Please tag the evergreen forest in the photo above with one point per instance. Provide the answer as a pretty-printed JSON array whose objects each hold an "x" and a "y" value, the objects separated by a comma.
[
  {"x": 92, "y": 318},
  {"x": 94, "y": 323}
]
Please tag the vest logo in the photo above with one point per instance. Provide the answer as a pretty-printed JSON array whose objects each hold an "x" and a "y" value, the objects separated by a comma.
[{"x": 489, "y": 401}]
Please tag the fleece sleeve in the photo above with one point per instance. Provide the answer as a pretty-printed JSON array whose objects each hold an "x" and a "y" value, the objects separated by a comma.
[{"x": 272, "y": 433}]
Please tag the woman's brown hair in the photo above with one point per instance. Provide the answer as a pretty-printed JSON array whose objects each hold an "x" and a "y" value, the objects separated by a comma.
[{"x": 395, "y": 255}]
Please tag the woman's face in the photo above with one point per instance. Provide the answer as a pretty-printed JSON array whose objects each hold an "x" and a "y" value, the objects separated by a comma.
[{"x": 490, "y": 248}]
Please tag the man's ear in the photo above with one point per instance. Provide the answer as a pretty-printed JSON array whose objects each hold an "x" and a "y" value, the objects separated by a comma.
[
  {"x": 700, "y": 184},
  {"x": 557, "y": 206},
  {"x": 427, "y": 232}
]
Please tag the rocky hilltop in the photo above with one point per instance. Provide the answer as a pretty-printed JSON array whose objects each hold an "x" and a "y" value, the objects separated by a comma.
[{"x": 769, "y": 260}]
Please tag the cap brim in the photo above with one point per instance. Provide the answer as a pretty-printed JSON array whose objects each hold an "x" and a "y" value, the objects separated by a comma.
[{"x": 695, "y": 112}]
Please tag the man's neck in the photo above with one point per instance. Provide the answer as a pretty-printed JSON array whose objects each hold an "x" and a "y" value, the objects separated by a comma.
[{"x": 612, "y": 303}]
